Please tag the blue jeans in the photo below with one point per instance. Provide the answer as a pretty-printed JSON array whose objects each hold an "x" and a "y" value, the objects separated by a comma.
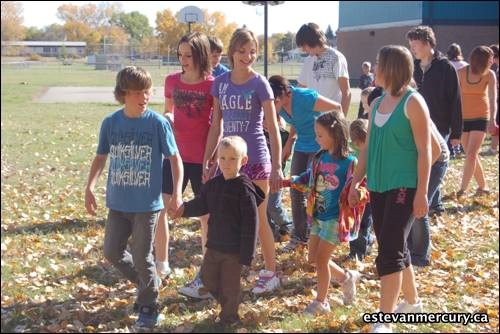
[
  {"x": 436, "y": 202},
  {"x": 300, "y": 162},
  {"x": 419, "y": 237},
  {"x": 359, "y": 246},
  {"x": 276, "y": 215}
]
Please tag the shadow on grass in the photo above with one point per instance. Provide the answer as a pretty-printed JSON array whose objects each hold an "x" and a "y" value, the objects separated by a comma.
[{"x": 65, "y": 225}]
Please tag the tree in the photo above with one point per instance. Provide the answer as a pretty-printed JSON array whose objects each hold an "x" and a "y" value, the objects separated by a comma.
[
  {"x": 34, "y": 34},
  {"x": 12, "y": 20},
  {"x": 90, "y": 14},
  {"x": 91, "y": 23},
  {"x": 169, "y": 31},
  {"x": 134, "y": 23},
  {"x": 270, "y": 52},
  {"x": 215, "y": 25},
  {"x": 54, "y": 32},
  {"x": 330, "y": 36}
]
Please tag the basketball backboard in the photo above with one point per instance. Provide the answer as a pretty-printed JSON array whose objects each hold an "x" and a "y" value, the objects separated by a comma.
[{"x": 191, "y": 14}]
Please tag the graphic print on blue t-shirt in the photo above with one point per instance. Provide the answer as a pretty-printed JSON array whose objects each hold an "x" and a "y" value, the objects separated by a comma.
[
  {"x": 326, "y": 185},
  {"x": 130, "y": 158}
]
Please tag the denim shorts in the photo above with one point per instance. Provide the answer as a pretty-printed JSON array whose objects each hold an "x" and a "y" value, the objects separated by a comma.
[{"x": 326, "y": 230}]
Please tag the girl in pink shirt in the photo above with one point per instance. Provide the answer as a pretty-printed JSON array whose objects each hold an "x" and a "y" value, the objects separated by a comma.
[{"x": 188, "y": 106}]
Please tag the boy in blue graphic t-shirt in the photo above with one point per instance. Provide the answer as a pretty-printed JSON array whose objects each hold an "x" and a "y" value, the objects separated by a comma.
[{"x": 136, "y": 140}]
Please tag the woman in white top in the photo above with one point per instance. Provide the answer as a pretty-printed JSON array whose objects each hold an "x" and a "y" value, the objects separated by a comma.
[{"x": 455, "y": 56}]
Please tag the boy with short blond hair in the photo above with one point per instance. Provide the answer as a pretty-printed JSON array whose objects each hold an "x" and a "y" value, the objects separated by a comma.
[{"x": 231, "y": 199}]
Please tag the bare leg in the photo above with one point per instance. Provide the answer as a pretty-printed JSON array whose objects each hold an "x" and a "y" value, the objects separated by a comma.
[
  {"x": 473, "y": 144},
  {"x": 323, "y": 255},
  {"x": 409, "y": 286},
  {"x": 265, "y": 233},
  {"x": 162, "y": 233},
  {"x": 390, "y": 285}
]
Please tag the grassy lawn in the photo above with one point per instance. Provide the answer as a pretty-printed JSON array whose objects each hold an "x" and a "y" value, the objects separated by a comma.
[{"x": 54, "y": 277}]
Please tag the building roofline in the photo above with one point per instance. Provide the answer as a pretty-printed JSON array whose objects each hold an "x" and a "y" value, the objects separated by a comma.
[{"x": 382, "y": 25}]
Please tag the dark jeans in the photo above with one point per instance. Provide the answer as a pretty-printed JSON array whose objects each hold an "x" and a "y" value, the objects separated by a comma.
[
  {"x": 391, "y": 212},
  {"x": 419, "y": 237},
  {"x": 220, "y": 274},
  {"x": 300, "y": 162},
  {"x": 359, "y": 246},
  {"x": 139, "y": 265}
]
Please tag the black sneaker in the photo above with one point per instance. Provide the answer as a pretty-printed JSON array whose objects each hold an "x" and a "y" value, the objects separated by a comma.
[{"x": 136, "y": 308}]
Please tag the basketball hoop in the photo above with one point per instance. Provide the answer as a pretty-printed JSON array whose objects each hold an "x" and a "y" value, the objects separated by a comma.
[{"x": 191, "y": 14}]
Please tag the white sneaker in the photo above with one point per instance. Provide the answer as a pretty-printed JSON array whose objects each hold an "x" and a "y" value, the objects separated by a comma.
[
  {"x": 349, "y": 286},
  {"x": 163, "y": 268},
  {"x": 317, "y": 307},
  {"x": 268, "y": 281},
  {"x": 406, "y": 307},
  {"x": 380, "y": 328},
  {"x": 195, "y": 289}
]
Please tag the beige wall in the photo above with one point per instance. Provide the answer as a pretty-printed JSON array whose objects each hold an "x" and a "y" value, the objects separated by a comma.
[{"x": 359, "y": 46}]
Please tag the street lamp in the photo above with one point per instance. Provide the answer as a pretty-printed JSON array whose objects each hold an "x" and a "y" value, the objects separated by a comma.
[{"x": 265, "y": 4}]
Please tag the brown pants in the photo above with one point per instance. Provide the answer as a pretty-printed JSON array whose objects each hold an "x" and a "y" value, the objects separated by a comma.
[{"x": 220, "y": 274}]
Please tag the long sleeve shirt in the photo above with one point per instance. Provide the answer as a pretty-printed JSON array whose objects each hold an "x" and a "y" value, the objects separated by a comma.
[
  {"x": 232, "y": 205},
  {"x": 440, "y": 89}
]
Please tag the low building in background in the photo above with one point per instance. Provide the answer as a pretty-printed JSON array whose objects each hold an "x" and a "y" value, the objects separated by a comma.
[{"x": 60, "y": 49}]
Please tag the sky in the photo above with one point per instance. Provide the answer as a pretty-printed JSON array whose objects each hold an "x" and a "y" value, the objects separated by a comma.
[{"x": 288, "y": 16}]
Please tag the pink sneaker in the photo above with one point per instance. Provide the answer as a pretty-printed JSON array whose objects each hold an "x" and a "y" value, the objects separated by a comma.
[{"x": 268, "y": 281}]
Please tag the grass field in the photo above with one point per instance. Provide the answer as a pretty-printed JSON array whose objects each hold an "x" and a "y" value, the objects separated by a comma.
[{"x": 54, "y": 277}]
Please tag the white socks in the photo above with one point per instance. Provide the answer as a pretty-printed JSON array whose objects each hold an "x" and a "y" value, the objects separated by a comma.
[{"x": 163, "y": 267}]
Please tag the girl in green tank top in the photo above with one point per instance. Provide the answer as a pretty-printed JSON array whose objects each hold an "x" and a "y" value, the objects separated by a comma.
[{"x": 397, "y": 161}]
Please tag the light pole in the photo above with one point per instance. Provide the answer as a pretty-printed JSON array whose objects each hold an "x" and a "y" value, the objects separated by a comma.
[{"x": 265, "y": 4}]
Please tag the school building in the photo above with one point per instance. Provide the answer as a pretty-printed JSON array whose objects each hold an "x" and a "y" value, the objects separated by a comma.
[
  {"x": 44, "y": 48},
  {"x": 366, "y": 26}
]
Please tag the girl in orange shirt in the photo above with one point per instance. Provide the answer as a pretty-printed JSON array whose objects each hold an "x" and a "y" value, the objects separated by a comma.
[{"x": 478, "y": 90}]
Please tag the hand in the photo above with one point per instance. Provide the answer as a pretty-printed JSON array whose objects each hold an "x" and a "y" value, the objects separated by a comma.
[
  {"x": 492, "y": 126},
  {"x": 90, "y": 202},
  {"x": 209, "y": 170},
  {"x": 174, "y": 205},
  {"x": 276, "y": 179},
  {"x": 354, "y": 196},
  {"x": 420, "y": 205},
  {"x": 176, "y": 214},
  {"x": 454, "y": 142}
]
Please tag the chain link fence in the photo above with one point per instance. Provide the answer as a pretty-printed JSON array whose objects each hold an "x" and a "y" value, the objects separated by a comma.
[{"x": 113, "y": 57}]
